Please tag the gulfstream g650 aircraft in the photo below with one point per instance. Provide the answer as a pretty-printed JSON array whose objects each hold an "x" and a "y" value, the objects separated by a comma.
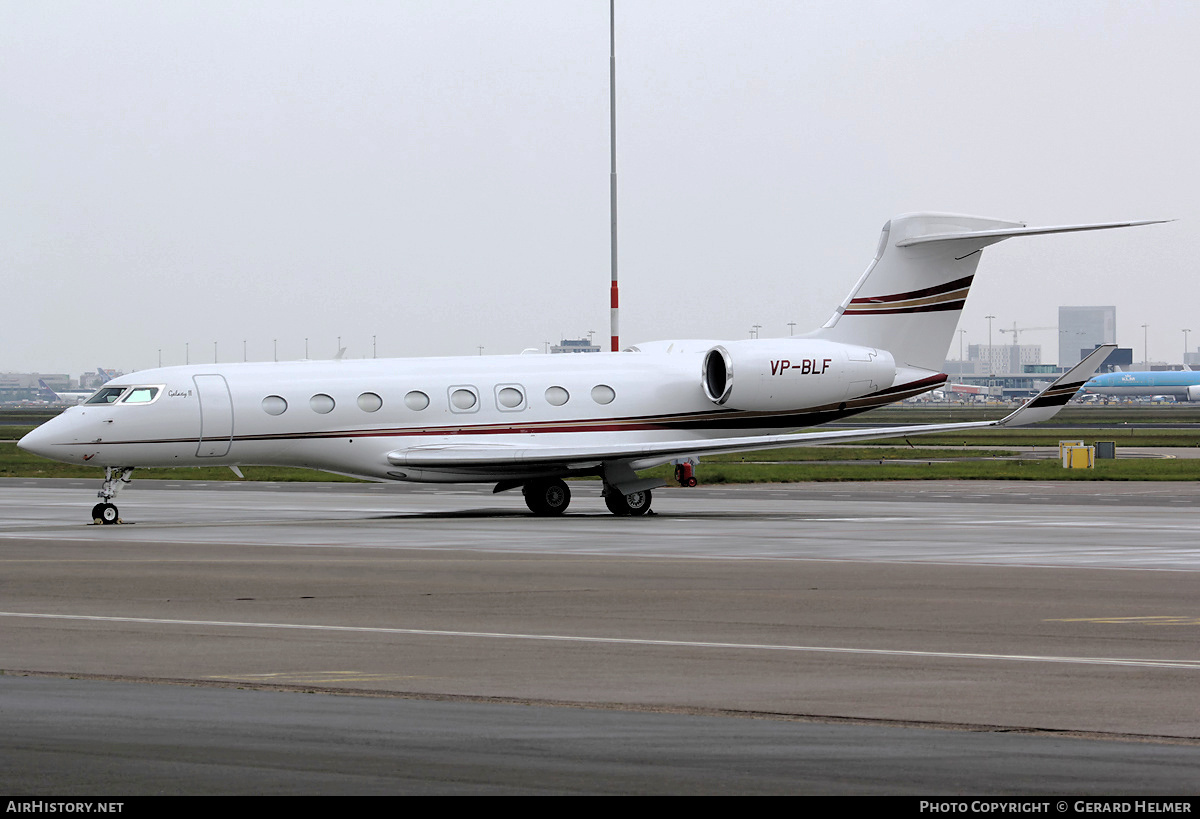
[{"x": 529, "y": 421}]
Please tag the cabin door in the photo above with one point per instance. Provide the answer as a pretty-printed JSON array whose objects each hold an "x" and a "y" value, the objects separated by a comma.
[{"x": 216, "y": 416}]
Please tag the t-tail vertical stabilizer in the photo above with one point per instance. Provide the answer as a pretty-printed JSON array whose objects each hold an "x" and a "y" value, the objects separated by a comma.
[{"x": 909, "y": 300}]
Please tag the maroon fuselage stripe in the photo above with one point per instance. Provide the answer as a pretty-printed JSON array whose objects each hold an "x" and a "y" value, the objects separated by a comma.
[
  {"x": 957, "y": 304},
  {"x": 936, "y": 290}
]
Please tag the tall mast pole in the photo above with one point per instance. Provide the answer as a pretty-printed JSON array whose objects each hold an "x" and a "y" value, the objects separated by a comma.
[{"x": 612, "y": 127}]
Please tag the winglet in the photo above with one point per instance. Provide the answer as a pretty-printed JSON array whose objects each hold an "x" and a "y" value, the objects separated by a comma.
[{"x": 1046, "y": 404}]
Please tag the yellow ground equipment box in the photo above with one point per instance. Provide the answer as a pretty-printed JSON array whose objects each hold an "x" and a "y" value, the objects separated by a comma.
[
  {"x": 1079, "y": 457},
  {"x": 1062, "y": 446}
]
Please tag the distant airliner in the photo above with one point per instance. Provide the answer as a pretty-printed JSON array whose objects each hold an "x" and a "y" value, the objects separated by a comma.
[
  {"x": 1183, "y": 385},
  {"x": 62, "y": 397},
  {"x": 530, "y": 421}
]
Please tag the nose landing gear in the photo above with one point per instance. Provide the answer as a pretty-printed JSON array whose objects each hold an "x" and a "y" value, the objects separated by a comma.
[{"x": 114, "y": 479}]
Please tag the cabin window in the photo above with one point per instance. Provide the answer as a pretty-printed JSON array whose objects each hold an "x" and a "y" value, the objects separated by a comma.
[
  {"x": 603, "y": 394},
  {"x": 416, "y": 400},
  {"x": 274, "y": 405},
  {"x": 464, "y": 399},
  {"x": 557, "y": 396},
  {"x": 369, "y": 402},
  {"x": 510, "y": 397},
  {"x": 140, "y": 395},
  {"x": 321, "y": 403},
  {"x": 108, "y": 395}
]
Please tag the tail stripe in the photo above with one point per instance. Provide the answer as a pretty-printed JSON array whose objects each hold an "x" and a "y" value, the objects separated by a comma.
[
  {"x": 957, "y": 304},
  {"x": 941, "y": 297},
  {"x": 936, "y": 290},
  {"x": 948, "y": 296}
]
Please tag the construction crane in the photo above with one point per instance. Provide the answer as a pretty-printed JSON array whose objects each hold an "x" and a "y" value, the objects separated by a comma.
[{"x": 1016, "y": 330}]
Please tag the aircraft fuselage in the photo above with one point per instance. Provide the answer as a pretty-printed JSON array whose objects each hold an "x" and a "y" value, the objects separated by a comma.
[{"x": 347, "y": 416}]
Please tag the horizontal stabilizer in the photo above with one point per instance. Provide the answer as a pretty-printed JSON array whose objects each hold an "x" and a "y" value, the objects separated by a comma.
[{"x": 1008, "y": 233}]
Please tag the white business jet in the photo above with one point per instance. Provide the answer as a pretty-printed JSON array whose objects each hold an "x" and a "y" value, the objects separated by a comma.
[{"x": 530, "y": 421}]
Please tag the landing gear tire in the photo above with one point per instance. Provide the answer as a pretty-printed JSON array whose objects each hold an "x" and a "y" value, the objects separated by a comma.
[
  {"x": 105, "y": 513},
  {"x": 637, "y": 503},
  {"x": 115, "y": 477},
  {"x": 547, "y": 498}
]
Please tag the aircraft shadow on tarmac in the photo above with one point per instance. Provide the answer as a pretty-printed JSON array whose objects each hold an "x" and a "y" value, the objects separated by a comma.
[
  {"x": 513, "y": 514},
  {"x": 521, "y": 514}
]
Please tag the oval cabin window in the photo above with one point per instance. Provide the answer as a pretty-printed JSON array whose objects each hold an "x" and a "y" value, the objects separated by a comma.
[
  {"x": 510, "y": 397},
  {"x": 603, "y": 394},
  {"x": 369, "y": 402},
  {"x": 321, "y": 403},
  {"x": 557, "y": 396},
  {"x": 274, "y": 405},
  {"x": 416, "y": 400}
]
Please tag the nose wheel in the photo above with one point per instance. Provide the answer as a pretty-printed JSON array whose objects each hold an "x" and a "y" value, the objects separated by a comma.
[
  {"x": 105, "y": 513},
  {"x": 114, "y": 479}
]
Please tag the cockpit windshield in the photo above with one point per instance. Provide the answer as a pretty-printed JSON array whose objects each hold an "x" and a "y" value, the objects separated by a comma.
[
  {"x": 140, "y": 395},
  {"x": 107, "y": 395}
]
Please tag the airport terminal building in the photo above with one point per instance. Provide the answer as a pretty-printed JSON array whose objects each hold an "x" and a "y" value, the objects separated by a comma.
[{"x": 16, "y": 388}]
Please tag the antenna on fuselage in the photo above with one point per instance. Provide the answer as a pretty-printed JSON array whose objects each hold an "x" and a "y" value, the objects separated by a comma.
[{"x": 612, "y": 130}]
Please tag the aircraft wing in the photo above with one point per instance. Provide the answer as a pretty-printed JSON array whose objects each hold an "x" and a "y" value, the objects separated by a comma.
[{"x": 643, "y": 455}]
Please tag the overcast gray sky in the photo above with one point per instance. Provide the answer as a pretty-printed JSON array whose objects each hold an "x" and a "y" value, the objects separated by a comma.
[{"x": 436, "y": 173}]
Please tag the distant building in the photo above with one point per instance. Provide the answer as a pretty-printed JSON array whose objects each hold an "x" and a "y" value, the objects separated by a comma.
[
  {"x": 15, "y": 387},
  {"x": 1002, "y": 370},
  {"x": 56, "y": 381},
  {"x": 575, "y": 345},
  {"x": 989, "y": 359},
  {"x": 96, "y": 380},
  {"x": 1082, "y": 329}
]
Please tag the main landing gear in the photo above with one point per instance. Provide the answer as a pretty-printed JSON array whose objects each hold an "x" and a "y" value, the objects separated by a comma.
[
  {"x": 114, "y": 479},
  {"x": 547, "y": 497},
  {"x": 636, "y": 503}
]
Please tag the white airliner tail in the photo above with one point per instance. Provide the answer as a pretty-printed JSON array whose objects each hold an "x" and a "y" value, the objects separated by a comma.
[{"x": 909, "y": 300}]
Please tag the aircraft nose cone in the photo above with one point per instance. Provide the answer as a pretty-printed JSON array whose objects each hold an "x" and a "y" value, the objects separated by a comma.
[
  {"x": 52, "y": 440},
  {"x": 36, "y": 442}
]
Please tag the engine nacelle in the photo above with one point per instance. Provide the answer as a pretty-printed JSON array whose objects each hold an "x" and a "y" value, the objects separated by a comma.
[
  {"x": 1193, "y": 392},
  {"x": 783, "y": 374}
]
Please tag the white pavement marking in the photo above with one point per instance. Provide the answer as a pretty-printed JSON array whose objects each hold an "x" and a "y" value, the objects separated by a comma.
[{"x": 1191, "y": 665}]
